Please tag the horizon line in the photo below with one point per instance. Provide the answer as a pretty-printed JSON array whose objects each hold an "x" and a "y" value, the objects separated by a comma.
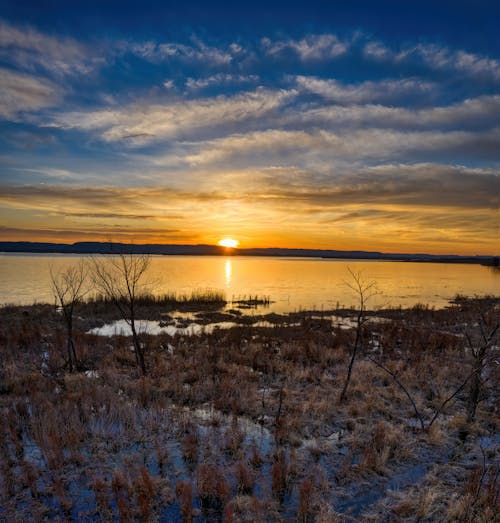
[{"x": 221, "y": 250}]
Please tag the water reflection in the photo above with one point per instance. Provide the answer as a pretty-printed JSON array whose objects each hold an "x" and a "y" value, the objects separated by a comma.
[{"x": 228, "y": 268}]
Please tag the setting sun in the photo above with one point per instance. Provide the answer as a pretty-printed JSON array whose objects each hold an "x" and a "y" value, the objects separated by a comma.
[{"x": 229, "y": 242}]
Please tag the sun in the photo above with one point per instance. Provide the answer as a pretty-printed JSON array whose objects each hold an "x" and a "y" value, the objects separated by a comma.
[{"x": 229, "y": 243}]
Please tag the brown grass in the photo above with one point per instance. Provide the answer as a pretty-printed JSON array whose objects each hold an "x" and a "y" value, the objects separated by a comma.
[{"x": 245, "y": 415}]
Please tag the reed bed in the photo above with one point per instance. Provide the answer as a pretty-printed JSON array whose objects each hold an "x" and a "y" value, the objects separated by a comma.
[{"x": 195, "y": 297}]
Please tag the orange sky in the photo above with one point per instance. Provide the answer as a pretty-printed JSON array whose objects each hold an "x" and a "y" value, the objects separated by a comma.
[{"x": 151, "y": 215}]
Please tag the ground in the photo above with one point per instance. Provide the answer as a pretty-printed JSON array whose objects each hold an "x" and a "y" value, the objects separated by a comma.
[{"x": 245, "y": 423}]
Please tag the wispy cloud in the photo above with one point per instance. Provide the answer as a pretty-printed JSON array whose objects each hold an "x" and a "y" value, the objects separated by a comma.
[
  {"x": 422, "y": 184},
  {"x": 321, "y": 147},
  {"x": 125, "y": 202},
  {"x": 436, "y": 57},
  {"x": 161, "y": 51},
  {"x": 97, "y": 233},
  {"x": 365, "y": 92},
  {"x": 140, "y": 123},
  {"x": 32, "y": 50},
  {"x": 24, "y": 93},
  {"x": 480, "y": 112},
  {"x": 220, "y": 78},
  {"x": 314, "y": 47}
]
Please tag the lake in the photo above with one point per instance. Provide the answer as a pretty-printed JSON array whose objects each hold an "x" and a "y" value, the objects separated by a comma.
[{"x": 291, "y": 283}]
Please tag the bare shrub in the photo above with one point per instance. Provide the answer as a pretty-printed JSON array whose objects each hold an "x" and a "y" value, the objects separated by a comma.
[
  {"x": 364, "y": 290},
  {"x": 386, "y": 443},
  {"x": 70, "y": 286}
]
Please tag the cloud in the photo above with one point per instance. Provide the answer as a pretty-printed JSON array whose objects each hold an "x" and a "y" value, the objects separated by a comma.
[
  {"x": 199, "y": 52},
  {"x": 30, "y": 50},
  {"x": 150, "y": 120},
  {"x": 469, "y": 221},
  {"x": 311, "y": 48},
  {"x": 139, "y": 213},
  {"x": 364, "y": 92},
  {"x": 418, "y": 185},
  {"x": 22, "y": 93},
  {"x": 437, "y": 57},
  {"x": 220, "y": 78},
  {"x": 482, "y": 111},
  {"x": 378, "y": 51},
  {"x": 51, "y": 172},
  {"x": 29, "y": 140},
  {"x": 97, "y": 233},
  {"x": 320, "y": 146},
  {"x": 141, "y": 123},
  {"x": 425, "y": 184},
  {"x": 118, "y": 201},
  {"x": 422, "y": 184},
  {"x": 273, "y": 141}
]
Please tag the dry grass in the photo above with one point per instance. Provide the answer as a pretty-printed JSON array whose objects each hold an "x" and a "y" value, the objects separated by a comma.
[{"x": 241, "y": 423}]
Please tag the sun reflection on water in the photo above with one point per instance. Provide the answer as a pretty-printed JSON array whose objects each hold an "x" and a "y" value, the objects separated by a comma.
[{"x": 228, "y": 269}]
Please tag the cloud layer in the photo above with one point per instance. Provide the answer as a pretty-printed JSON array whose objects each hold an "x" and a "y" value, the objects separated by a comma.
[{"x": 313, "y": 140}]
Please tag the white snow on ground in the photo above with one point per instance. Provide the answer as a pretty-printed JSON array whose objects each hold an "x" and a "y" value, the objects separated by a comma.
[{"x": 122, "y": 328}]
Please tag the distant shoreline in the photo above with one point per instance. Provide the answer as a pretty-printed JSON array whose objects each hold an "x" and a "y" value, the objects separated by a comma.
[{"x": 215, "y": 250}]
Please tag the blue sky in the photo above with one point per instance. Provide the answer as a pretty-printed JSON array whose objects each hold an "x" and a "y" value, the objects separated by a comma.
[{"x": 356, "y": 125}]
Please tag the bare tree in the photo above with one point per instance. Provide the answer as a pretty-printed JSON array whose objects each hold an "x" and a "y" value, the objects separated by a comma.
[
  {"x": 69, "y": 288},
  {"x": 364, "y": 290},
  {"x": 120, "y": 279},
  {"x": 488, "y": 328},
  {"x": 476, "y": 371},
  {"x": 480, "y": 346}
]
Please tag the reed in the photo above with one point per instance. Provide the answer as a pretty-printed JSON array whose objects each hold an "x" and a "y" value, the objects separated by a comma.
[
  {"x": 184, "y": 492},
  {"x": 195, "y": 297},
  {"x": 250, "y": 301}
]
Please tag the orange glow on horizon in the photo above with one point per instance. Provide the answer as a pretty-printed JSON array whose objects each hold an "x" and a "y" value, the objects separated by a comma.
[{"x": 380, "y": 237}]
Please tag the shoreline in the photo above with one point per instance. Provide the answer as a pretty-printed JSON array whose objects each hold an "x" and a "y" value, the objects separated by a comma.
[{"x": 97, "y": 248}]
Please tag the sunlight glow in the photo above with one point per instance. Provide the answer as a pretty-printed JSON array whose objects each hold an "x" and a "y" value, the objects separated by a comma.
[{"x": 229, "y": 242}]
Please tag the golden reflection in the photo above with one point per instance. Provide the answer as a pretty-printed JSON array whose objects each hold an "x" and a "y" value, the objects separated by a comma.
[{"x": 228, "y": 271}]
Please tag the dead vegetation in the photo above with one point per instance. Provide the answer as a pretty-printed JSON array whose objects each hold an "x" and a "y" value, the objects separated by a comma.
[{"x": 244, "y": 424}]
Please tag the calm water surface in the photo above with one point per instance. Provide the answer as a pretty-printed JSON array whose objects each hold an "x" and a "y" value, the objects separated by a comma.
[{"x": 292, "y": 283}]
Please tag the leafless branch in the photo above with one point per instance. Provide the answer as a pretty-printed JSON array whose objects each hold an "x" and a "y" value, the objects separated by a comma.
[{"x": 120, "y": 279}]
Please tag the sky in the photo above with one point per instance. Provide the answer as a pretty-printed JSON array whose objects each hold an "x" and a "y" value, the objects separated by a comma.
[{"x": 353, "y": 125}]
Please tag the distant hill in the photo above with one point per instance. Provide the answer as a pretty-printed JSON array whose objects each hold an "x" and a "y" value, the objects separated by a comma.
[{"x": 215, "y": 250}]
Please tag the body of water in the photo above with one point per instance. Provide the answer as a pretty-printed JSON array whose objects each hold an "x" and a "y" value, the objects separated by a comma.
[{"x": 291, "y": 283}]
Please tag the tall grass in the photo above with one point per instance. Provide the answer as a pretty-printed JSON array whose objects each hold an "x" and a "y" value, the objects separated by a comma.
[{"x": 195, "y": 297}]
